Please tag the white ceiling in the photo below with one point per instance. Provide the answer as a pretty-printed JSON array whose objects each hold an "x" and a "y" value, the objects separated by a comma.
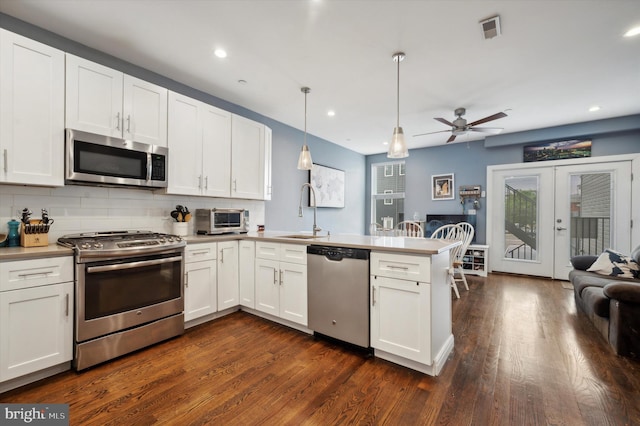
[{"x": 554, "y": 60}]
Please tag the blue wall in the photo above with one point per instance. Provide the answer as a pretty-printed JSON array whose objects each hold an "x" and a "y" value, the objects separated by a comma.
[
  {"x": 281, "y": 213},
  {"x": 469, "y": 161}
]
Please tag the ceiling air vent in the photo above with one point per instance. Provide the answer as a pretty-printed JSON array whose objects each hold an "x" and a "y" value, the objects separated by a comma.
[{"x": 491, "y": 27}]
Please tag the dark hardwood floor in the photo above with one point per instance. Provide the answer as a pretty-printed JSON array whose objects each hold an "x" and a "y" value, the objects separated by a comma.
[{"x": 522, "y": 356}]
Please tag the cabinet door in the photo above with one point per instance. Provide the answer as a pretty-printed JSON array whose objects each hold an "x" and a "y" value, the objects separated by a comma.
[
  {"x": 216, "y": 152},
  {"x": 228, "y": 286},
  {"x": 94, "y": 97},
  {"x": 247, "y": 158},
  {"x": 293, "y": 292},
  {"x": 200, "y": 293},
  {"x": 31, "y": 111},
  {"x": 267, "y": 286},
  {"x": 185, "y": 146},
  {"x": 144, "y": 111},
  {"x": 246, "y": 273},
  {"x": 400, "y": 322},
  {"x": 36, "y": 329}
]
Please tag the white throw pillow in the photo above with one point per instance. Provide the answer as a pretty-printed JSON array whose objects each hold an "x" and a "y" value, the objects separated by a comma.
[{"x": 615, "y": 264}]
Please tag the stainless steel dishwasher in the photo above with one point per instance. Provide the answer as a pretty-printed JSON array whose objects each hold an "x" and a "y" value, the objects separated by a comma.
[{"x": 338, "y": 293}]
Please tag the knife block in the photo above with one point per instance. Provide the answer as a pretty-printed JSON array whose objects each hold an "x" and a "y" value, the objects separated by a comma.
[{"x": 33, "y": 240}]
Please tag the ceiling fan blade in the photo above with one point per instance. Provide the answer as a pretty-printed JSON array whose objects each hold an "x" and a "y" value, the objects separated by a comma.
[
  {"x": 443, "y": 121},
  {"x": 493, "y": 130},
  {"x": 489, "y": 118},
  {"x": 451, "y": 139},
  {"x": 430, "y": 133}
]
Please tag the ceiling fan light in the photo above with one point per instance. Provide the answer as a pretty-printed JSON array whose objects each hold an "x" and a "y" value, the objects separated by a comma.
[{"x": 398, "y": 146}]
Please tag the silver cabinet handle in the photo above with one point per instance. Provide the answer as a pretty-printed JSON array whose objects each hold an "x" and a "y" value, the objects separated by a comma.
[
  {"x": 129, "y": 123},
  {"x": 66, "y": 309},
  {"x": 118, "y": 121},
  {"x": 373, "y": 289},
  {"x": 281, "y": 277},
  {"x": 6, "y": 161},
  {"x": 404, "y": 268},
  {"x": 206, "y": 182},
  {"x": 186, "y": 280},
  {"x": 221, "y": 255},
  {"x": 200, "y": 181},
  {"x": 275, "y": 276},
  {"x": 235, "y": 185},
  {"x": 31, "y": 274}
]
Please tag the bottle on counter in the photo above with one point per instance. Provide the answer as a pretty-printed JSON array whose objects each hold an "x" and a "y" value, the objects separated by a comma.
[{"x": 13, "y": 239}]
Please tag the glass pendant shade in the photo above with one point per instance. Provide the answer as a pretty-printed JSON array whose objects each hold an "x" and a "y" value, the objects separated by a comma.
[
  {"x": 398, "y": 147},
  {"x": 304, "y": 161}
]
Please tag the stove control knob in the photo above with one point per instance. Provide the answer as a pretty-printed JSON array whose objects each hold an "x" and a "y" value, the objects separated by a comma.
[
  {"x": 178, "y": 239},
  {"x": 85, "y": 246},
  {"x": 98, "y": 245},
  {"x": 162, "y": 240},
  {"x": 170, "y": 240}
]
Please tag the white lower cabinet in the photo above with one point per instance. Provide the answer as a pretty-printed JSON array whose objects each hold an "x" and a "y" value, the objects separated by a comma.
[
  {"x": 247, "y": 273},
  {"x": 411, "y": 310},
  {"x": 281, "y": 281},
  {"x": 36, "y": 315},
  {"x": 200, "y": 284},
  {"x": 228, "y": 286},
  {"x": 400, "y": 321}
]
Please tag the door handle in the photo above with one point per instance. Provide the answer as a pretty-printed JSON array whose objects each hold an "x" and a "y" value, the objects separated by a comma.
[{"x": 560, "y": 228}]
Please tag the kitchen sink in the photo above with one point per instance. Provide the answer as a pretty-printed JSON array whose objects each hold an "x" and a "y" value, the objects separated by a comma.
[{"x": 302, "y": 236}]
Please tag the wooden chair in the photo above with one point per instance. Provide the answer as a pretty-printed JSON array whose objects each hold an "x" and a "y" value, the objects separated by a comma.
[
  {"x": 469, "y": 231},
  {"x": 409, "y": 228},
  {"x": 451, "y": 232}
]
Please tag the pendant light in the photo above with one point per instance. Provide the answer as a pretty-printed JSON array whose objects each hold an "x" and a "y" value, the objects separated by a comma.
[
  {"x": 304, "y": 161},
  {"x": 398, "y": 147}
]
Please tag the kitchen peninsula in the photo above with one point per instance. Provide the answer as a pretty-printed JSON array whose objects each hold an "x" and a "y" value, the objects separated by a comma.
[{"x": 264, "y": 274}]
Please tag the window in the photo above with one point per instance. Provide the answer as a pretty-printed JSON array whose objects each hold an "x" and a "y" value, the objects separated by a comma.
[{"x": 387, "y": 193}]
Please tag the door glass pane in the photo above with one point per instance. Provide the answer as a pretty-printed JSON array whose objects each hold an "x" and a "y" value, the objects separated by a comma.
[
  {"x": 590, "y": 213},
  {"x": 521, "y": 217}
]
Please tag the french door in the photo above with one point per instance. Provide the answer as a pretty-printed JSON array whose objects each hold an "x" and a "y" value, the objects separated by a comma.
[{"x": 541, "y": 216}]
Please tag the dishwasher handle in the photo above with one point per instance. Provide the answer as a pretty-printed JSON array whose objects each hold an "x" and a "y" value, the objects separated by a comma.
[{"x": 338, "y": 253}]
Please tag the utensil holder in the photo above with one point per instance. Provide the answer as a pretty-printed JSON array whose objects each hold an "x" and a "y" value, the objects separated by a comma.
[{"x": 180, "y": 228}]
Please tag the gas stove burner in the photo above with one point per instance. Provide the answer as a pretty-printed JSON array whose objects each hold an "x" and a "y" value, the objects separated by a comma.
[{"x": 119, "y": 242}]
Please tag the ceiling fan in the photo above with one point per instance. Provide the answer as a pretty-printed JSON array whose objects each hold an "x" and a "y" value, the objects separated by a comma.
[{"x": 460, "y": 126}]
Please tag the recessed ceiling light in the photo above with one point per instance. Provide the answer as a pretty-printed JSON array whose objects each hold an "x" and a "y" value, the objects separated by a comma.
[
  {"x": 385, "y": 143},
  {"x": 331, "y": 113},
  {"x": 594, "y": 108},
  {"x": 220, "y": 53},
  {"x": 632, "y": 32}
]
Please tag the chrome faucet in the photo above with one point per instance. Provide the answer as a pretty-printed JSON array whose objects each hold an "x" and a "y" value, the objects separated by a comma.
[{"x": 316, "y": 229}]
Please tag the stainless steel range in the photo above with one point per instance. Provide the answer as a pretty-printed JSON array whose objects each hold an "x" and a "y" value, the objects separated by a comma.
[{"x": 128, "y": 292}]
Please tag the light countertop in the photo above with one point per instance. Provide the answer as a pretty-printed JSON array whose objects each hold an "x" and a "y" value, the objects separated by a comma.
[{"x": 423, "y": 246}]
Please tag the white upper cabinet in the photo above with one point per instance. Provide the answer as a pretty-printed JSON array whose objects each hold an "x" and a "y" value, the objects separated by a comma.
[
  {"x": 107, "y": 102},
  {"x": 199, "y": 148},
  {"x": 31, "y": 112},
  {"x": 247, "y": 158}
]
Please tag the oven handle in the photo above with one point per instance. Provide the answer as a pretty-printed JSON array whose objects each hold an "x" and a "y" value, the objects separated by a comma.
[{"x": 140, "y": 264}]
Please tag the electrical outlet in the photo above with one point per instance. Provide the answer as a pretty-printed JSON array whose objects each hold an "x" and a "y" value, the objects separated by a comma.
[
  {"x": 471, "y": 211},
  {"x": 483, "y": 194}
]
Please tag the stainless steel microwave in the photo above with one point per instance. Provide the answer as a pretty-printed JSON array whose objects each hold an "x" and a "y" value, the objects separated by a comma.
[
  {"x": 105, "y": 160},
  {"x": 221, "y": 221}
]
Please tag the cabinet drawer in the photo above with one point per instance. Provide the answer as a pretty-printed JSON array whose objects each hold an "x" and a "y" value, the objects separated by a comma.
[
  {"x": 293, "y": 253},
  {"x": 35, "y": 272},
  {"x": 200, "y": 252},
  {"x": 402, "y": 266},
  {"x": 267, "y": 250}
]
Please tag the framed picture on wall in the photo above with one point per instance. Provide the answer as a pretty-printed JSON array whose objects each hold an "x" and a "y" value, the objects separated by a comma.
[
  {"x": 328, "y": 184},
  {"x": 442, "y": 187}
]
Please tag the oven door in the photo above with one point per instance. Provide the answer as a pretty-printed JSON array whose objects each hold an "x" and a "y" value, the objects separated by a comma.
[{"x": 118, "y": 294}]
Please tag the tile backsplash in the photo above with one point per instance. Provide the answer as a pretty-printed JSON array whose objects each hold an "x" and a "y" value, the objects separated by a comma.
[{"x": 76, "y": 208}]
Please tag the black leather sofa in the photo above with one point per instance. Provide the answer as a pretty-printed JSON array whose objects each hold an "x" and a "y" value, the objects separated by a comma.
[{"x": 611, "y": 303}]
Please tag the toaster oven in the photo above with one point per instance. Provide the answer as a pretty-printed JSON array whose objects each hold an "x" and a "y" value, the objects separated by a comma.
[{"x": 221, "y": 221}]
